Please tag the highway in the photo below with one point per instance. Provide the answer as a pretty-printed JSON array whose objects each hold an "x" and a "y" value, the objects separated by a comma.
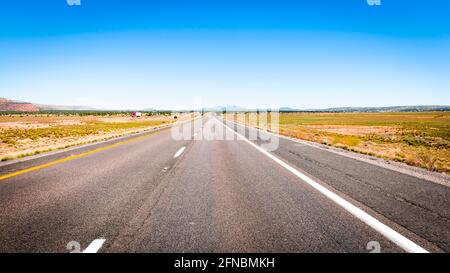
[{"x": 153, "y": 193}]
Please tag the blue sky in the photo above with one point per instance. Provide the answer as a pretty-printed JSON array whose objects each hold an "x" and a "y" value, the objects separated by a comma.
[{"x": 176, "y": 54}]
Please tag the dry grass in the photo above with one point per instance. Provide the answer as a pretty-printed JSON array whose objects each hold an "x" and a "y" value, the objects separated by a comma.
[
  {"x": 418, "y": 139},
  {"x": 28, "y": 135}
]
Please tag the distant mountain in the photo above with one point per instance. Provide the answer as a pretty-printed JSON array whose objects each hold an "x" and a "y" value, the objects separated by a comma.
[
  {"x": 229, "y": 108},
  {"x": 289, "y": 109},
  {"x": 19, "y": 106},
  {"x": 10, "y": 105},
  {"x": 44, "y": 107},
  {"x": 412, "y": 108}
]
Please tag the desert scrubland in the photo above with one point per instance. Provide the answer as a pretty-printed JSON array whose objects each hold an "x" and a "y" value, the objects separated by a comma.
[
  {"x": 419, "y": 139},
  {"x": 33, "y": 133}
]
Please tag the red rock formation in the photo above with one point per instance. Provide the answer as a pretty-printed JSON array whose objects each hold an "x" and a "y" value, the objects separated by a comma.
[{"x": 9, "y": 105}]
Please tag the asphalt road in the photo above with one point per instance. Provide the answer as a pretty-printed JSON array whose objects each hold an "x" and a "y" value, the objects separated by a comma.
[{"x": 153, "y": 193}]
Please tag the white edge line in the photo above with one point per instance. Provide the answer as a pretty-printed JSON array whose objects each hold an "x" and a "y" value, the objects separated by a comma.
[
  {"x": 95, "y": 246},
  {"x": 180, "y": 151},
  {"x": 389, "y": 233}
]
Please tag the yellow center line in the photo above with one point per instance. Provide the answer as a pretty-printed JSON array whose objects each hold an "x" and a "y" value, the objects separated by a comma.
[{"x": 6, "y": 176}]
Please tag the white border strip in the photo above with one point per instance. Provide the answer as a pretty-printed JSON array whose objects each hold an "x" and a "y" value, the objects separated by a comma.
[{"x": 389, "y": 233}]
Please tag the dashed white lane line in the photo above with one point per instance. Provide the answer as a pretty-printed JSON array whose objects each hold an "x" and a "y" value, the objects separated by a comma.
[
  {"x": 180, "y": 151},
  {"x": 95, "y": 246},
  {"x": 383, "y": 229}
]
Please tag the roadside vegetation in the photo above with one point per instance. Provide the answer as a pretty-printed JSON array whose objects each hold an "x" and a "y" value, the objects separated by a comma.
[
  {"x": 24, "y": 134},
  {"x": 419, "y": 139}
]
